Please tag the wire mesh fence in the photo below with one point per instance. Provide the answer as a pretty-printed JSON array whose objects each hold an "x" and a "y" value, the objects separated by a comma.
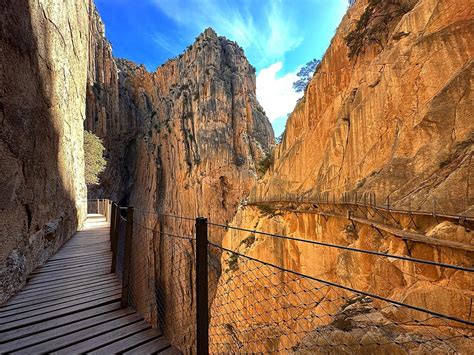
[
  {"x": 267, "y": 307},
  {"x": 162, "y": 286},
  {"x": 266, "y": 302},
  {"x": 263, "y": 308},
  {"x": 120, "y": 245}
]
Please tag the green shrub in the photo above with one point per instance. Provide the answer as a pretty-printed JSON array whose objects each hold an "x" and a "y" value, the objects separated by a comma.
[
  {"x": 233, "y": 261},
  {"x": 94, "y": 162},
  {"x": 265, "y": 164},
  {"x": 248, "y": 241}
]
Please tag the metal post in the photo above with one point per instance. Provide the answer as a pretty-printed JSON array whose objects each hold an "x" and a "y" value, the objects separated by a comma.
[
  {"x": 202, "y": 314},
  {"x": 127, "y": 257},
  {"x": 116, "y": 223},
  {"x": 112, "y": 226}
]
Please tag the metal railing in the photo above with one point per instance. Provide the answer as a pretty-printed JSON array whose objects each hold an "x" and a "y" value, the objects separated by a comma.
[
  {"x": 458, "y": 208},
  {"x": 208, "y": 298}
]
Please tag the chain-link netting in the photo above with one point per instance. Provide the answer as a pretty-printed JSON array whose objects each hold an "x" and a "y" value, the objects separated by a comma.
[
  {"x": 121, "y": 225},
  {"x": 274, "y": 303},
  {"x": 162, "y": 276},
  {"x": 264, "y": 308},
  {"x": 265, "y": 297}
]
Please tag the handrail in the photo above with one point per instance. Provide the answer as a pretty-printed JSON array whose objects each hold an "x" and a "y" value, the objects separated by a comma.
[{"x": 198, "y": 251}]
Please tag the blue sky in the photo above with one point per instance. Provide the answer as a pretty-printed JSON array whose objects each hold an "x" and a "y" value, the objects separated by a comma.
[{"x": 278, "y": 36}]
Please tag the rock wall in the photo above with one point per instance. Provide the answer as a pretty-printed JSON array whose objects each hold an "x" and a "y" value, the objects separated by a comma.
[
  {"x": 184, "y": 140},
  {"x": 387, "y": 120},
  {"x": 43, "y": 69},
  {"x": 389, "y": 114},
  {"x": 196, "y": 119}
]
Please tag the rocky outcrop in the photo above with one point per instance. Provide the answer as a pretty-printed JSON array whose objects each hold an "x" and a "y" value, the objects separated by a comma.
[
  {"x": 387, "y": 120},
  {"x": 387, "y": 111},
  {"x": 196, "y": 119},
  {"x": 43, "y": 68},
  {"x": 184, "y": 140}
]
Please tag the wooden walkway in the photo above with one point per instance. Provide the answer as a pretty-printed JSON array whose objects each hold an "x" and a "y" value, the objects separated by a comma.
[{"x": 71, "y": 304}]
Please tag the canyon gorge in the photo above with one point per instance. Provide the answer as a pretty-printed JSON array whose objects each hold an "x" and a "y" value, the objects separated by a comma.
[{"x": 386, "y": 118}]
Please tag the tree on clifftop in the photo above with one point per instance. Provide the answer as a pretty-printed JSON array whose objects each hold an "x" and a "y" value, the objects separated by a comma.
[
  {"x": 94, "y": 162},
  {"x": 305, "y": 74}
]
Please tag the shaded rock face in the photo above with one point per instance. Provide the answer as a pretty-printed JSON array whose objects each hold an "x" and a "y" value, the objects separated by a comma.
[
  {"x": 184, "y": 140},
  {"x": 394, "y": 116},
  {"x": 43, "y": 66},
  {"x": 194, "y": 126}
]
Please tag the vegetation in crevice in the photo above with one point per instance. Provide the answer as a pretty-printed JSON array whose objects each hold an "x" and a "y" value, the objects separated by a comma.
[
  {"x": 375, "y": 24},
  {"x": 267, "y": 210},
  {"x": 248, "y": 241},
  {"x": 94, "y": 161},
  {"x": 265, "y": 163},
  {"x": 233, "y": 261}
]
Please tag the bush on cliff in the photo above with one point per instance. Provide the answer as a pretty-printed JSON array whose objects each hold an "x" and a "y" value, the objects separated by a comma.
[
  {"x": 94, "y": 162},
  {"x": 265, "y": 163}
]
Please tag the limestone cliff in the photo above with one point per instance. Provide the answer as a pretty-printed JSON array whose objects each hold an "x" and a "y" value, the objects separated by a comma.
[
  {"x": 194, "y": 127},
  {"x": 389, "y": 110},
  {"x": 43, "y": 68},
  {"x": 184, "y": 140},
  {"x": 392, "y": 119}
]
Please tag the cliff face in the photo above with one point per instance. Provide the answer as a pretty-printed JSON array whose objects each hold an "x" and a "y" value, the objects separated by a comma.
[
  {"x": 387, "y": 111},
  {"x": 387, "y": 119},
  {"x": 184, "y": 140},
  {"x": 194, "y": 127},
  {"x": 43, "y": 66}
]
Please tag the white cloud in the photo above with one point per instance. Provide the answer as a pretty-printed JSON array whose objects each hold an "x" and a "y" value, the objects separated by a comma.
[
  {"x": 164, "y": 43},
  {"x": 269, "y": 36},
  {"x": 276, "y": 94}
]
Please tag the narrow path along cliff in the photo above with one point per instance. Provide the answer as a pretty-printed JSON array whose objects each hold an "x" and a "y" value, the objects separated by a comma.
[
  {"x": 71, "y": 304},
  {"x": 353, "y": 234}
]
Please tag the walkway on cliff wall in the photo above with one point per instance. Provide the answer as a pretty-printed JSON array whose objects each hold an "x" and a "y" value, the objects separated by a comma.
[
  {"x": 71, "y": 304},
  {"x": 378, "y": 217}
]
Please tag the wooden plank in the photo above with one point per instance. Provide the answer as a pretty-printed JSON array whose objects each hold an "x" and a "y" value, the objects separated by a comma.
[
  {"x": 171, "y": 351},
  {"x": 54, "y": 301},
  {"x": 70, "y": 266},
  {"x": 37, "y": 315},
  {"x": 60, "y": 293},
  {"x": 131, "y": 342},
  {"x": 67, "y": 257},
  {"x": 67, "y": 283},
  {"x": 82, "y": 241},
  {"x": 54, "y": 274},
  {"x": 150, "y": 347},
  {"x": 58, "y": 313},
  {"x": 62, "y": 329},
  {"x": 78, "y": 255},
  {"x": 43, "y": 280},
  {"x": 72, "y": 261},
  {"x": 57, "y": 322},
  {"x": 102, "y": 246},
  {"x": 86, "y": 249},
  {"x": 105, "y": 339},
  {"x": 58, "y": 343},
  {"x": 51, "y": 294}
]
